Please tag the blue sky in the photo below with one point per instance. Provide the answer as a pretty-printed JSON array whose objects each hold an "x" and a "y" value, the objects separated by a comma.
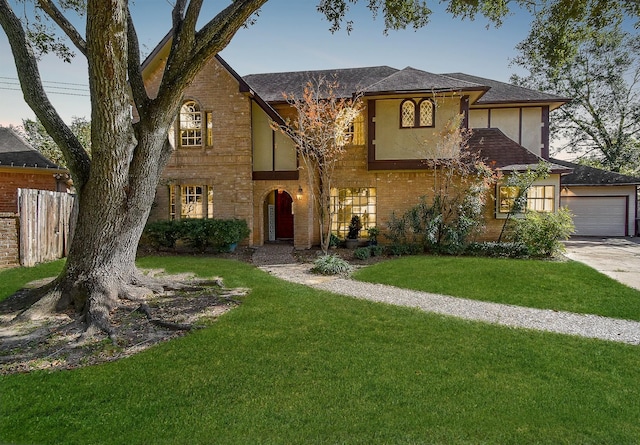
[{"x": 291, "y": 36}]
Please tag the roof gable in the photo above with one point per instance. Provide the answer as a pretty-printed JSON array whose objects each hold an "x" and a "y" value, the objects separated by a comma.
[
  {"x": 411, "y": 79},
  {"x": 16, "y": 152}
]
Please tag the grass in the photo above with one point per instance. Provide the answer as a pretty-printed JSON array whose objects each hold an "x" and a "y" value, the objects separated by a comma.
[
  {"x": 11, "y": 280},
  {"x": 562, "y": 286},
  {"x": 296, "y": 365}
]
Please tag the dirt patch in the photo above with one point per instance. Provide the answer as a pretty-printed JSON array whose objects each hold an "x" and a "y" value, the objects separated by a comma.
[{"x": 58, "y": 342}]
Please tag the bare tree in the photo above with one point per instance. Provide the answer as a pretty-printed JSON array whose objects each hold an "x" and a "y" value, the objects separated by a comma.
[{"x": 320, "y": 130}]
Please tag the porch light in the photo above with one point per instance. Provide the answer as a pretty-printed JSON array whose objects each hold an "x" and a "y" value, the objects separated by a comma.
[{"x": 299, "y": 194}]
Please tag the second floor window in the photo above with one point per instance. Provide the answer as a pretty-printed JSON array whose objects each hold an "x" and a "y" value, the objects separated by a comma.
[
  {"x": 355, "y": 134},
  {"x": 414, "y": 115},
  {"x": 190, "y": 124}
]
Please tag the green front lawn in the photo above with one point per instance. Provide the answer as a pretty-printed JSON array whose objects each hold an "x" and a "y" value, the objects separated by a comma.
[
  {"x": 563, "y": 286},
  {"x": 296, "y": 365}
]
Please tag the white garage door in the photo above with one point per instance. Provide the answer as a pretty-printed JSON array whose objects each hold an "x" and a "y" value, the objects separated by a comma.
[{"x": 598, "y": 216}]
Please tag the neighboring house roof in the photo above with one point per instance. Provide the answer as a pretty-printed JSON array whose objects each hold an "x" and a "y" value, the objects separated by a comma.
[
  {"x": 585, "y": 175},
  {"x": 16, "y": 152},
  {"x": 499, "y": 151},
  {"x": 502, "y": 92}
]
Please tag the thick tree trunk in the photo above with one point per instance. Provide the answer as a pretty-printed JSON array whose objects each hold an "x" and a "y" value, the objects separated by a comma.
[{"x": 100, "y": 267}]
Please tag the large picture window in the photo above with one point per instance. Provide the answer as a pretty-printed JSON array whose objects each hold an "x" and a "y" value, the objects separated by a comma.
[
  {"x": 414, "y": 115},
  {"x": 190, "y": 124},
  {"x": 540, "y": 198},
  {"x": 190, "y": 201},
  {"x": 347, "y": 202}
]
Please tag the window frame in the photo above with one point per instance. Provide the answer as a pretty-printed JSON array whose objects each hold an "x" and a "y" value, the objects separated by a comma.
[
  {"x": 194, "y": 133},
  {"x": 545, "y": 198},
  {"x": 344, "y": 200},
  {"x": 418, "y": 113},
  {"x": 190, "y": 192}
]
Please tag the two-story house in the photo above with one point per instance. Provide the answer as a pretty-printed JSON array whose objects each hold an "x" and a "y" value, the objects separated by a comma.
[{"x": 229, "y": 162}]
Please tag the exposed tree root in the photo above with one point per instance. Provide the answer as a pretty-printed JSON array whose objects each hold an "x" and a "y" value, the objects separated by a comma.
[{"x": 134, "y": 318}]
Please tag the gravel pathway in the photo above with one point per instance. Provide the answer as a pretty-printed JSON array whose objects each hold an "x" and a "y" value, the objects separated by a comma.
[{"x": 591, "y": 326}]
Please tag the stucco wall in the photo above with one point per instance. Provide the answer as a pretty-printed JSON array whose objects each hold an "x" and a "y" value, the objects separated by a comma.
[
  {"x": 393, "y": 142},
  {"x": 521, "y": 124}
]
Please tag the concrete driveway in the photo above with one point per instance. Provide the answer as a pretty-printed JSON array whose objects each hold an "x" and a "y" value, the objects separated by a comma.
[{"x": 618, "y": 258}]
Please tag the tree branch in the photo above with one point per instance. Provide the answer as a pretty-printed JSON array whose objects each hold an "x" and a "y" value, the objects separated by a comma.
[
  {"x": 71, "y": 32},
  {"x": 185, "y": 60},
  {"x": 140, "y": 97},
  {"x": 29, "y": 75}
]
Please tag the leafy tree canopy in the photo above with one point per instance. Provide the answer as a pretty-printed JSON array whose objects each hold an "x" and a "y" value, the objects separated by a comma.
[
  {"x": 35, "y": 133},
  {"x": 601, "y": 124}
]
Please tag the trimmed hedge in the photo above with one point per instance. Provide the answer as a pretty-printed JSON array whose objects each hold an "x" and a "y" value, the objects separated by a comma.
[{"x": 200, "y": 234}]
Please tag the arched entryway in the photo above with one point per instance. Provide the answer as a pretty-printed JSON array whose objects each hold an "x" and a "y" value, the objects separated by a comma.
[{"x": 278, "y": 216}]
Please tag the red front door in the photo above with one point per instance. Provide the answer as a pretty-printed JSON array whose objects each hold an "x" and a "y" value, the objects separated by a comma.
[{"x": 284, "y": 215}]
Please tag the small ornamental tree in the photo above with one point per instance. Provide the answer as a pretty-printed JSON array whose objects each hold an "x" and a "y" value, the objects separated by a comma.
[
  {"x": 520, "y": 183},
  {"x": 320, "y": 130},
  {"x": 452, "y": 213},
  {"x": 461, "y": 185}
]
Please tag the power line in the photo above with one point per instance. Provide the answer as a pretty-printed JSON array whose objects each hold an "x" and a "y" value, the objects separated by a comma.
[
  {"x": 45, "y": 86},
  {"x": 61, "y": 93},
  {"x": 49, "y": 81},
  {"x": 13, "y": 84}
]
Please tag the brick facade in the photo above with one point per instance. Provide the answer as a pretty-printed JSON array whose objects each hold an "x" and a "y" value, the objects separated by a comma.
[
  {"x": 9, "y": 245},
  {"x": 11, "y": 179},
  {"x": 225, "y": 165}
]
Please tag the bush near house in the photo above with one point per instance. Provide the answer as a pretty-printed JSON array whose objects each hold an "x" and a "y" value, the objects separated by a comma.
[
  {"x": 542, "y": 232},
  {"x": 200, "y": 234}
]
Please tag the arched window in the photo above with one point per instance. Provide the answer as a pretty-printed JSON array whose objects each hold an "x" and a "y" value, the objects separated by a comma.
[
  {"x": 408, "y": 114},
  {"x": 426, "y": 113},
  {"x": 190, "y": 124},
  {"x": 421, "y": 115}
]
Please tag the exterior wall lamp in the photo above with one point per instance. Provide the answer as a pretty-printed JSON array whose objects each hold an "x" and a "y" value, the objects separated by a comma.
[{"x": 299, "y": 194}]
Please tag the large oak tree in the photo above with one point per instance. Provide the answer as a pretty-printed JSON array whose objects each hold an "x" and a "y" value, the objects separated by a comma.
[{"x": 116, "y": 185}]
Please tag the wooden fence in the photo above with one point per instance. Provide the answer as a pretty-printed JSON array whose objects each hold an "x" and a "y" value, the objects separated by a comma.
[{"x": 46, "y": 225}]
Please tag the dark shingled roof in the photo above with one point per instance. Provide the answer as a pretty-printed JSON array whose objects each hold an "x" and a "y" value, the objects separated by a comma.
[
  {"x": 411, "y": 79},
  {"x": 16, "y": 152},
  {"x": 498, "y": 151},
  {"x": 505, "y": 92},
  {"x": 385, "y": 79},
  {"x": 585, "y": 175},
  {"x": 270, "y": 86}
]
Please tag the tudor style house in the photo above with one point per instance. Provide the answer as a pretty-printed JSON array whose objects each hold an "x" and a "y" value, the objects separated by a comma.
[{"x": 229, "y": 162}]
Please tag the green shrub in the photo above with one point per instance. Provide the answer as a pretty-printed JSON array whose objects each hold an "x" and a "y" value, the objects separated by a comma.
[
  {"x": 498, "y": 250},
  {"x": 331, "y": 265},
  {"x": 362, "y": 253},
  {"x": 377, "y": 250},
  {"x": 200, "y": 234},
  {"x": 542, "y": 232},
  {"x": 162, "y": 233}
]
